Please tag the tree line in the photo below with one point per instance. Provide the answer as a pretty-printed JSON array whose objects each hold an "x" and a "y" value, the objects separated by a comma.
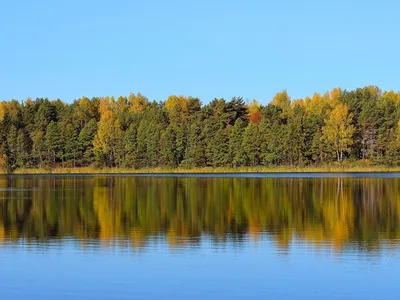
[{"x": 133, "y": 132}]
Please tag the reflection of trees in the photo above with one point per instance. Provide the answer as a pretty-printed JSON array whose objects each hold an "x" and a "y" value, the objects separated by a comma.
[{"x": 319, "y": 211}]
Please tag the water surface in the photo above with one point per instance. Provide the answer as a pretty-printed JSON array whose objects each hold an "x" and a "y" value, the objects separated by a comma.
[{"x": 224, "y": 236}]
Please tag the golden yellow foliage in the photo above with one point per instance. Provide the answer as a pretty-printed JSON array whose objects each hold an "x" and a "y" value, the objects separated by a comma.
[
  {"x": 282, "y": 100},
  {"x": 176, "y": 102},
  {"x": 338, "y": 130},
  {"x": 137, "y": 103},
  {"x": 106, "y": 107},
  {"x": 318, "y": 104},
  {"x": 298, "y": 102},
  {"x": 177, "y": 108},
  {"x": 334, "y": 96},
  {"x": 2, "y": 110},
  {"x": 390, "y": 96},
  {"x": 254, "y": 111}
]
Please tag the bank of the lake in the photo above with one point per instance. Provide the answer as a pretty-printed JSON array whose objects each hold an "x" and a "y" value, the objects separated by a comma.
[{"x": 207, "y": 170}]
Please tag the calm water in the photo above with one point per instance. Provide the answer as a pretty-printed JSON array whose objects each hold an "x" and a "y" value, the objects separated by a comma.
[{"x": 286, "y": 236}]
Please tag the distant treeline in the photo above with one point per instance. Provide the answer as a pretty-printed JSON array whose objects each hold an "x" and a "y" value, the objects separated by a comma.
[{"x": 133, "y": 132}]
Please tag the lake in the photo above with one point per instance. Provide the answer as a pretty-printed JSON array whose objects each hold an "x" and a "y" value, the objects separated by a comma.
[{"x": 222, "y": 236}]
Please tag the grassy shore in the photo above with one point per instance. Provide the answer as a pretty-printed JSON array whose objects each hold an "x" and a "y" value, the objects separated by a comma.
[{"x": 283, "y": 169}]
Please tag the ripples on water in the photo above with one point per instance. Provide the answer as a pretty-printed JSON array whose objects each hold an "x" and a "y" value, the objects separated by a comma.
[{"x": 69, "y": 237}]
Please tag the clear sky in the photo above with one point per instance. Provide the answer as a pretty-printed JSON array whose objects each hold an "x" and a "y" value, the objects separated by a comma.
[{"x": 209, "y": 48}]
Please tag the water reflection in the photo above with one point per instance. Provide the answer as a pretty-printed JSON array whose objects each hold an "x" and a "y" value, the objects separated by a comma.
[{"x": 134, "y": 212}]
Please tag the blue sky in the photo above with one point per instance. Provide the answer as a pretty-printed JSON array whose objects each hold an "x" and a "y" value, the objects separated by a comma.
[{"x": 209, "y": 48}]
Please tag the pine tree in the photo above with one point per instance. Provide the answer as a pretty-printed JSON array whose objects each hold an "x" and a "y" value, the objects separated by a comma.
[
  {"x": 12, "y": 147},
  {"x": 23, "y": 149},
  {"x": 131, "y": 147},
  {"x": 216, "y": 140},
  {"x": 153, "y": 144},
  {"x": 86, "y": 137},
  {"x": 38, "y": 147},
  {"x": 194, "y": 153},
  {"x": 295, "y": 134},
  {"x": 236, "y": 152},
  {"x": 53, "y": 142},
  {"x": 72, "y": 148},
  {"x": 169, "y": 153},
  {"x": 251, "y": 145},
  {"x": 180, "y": 143}
]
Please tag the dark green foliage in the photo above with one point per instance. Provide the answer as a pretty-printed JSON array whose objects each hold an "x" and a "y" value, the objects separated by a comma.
[
  {"x": 236, "y": 151},
  {"x": 23, "y": 149},
  {"x": 296, "y": 137},
  {"x": 45, "y": 113},
  {"x": 273, "y": 131},
  {"x": 54, "y": 143},
  {"x": 72, "y": 151},
  {"x": 131, "y": 147},
  {"x": 194, "y": 153},
  {"x": 38, "y": 148},
  {"x": 168, "y": 146},
  {"x": 86, "y": 137},
  {"x": 12, "y": 147},
  {"x": 216, "y": 143},
  {"x": 148, "y": 144},
  {"x": 251, "y": 145}
]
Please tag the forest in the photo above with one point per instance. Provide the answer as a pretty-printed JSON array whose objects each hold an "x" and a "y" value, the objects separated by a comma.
[{"x": 360, "y": 125}]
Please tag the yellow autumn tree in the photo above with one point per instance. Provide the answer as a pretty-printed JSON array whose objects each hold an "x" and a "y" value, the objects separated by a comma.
[
  {"x": 298, "y": 102},
  {"x": 84, "y": 111},
  {"x": 390, "y": 96},
  {"x": 4, "y": 165},
  {"x": 338, "y": 130},
  {"x": 254, "y": 112},
  {"x": 137, "y": 103},
  {"x": 2, "y": 110},
  {"x": 334, "y": 96},
  {"x": 177, "y": 108},
  {"x": 282, "y": 100},
  {"x": 318, "y": 104},
  {"x": 107, "y": 142}
]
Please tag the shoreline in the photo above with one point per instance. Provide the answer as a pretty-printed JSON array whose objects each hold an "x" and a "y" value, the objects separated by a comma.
[{"x": 206, "y": 170}]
